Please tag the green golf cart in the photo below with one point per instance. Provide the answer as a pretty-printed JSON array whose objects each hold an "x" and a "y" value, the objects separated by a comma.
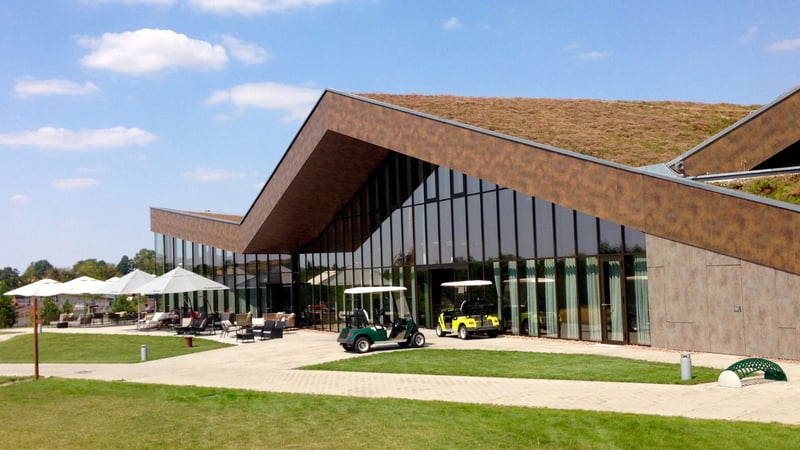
[{"x": 391, "y": 321}]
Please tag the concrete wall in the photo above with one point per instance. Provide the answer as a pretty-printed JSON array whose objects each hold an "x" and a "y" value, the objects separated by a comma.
[{"x": 704, "y": 301}]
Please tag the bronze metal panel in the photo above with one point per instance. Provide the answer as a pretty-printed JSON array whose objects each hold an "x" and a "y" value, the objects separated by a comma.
[
  {"x": 345, "y": 138},
  {"x": 752, "y": 142}
]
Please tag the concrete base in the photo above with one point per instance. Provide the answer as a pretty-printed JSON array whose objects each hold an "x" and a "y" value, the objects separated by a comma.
[{"x": 728, "y": 378}]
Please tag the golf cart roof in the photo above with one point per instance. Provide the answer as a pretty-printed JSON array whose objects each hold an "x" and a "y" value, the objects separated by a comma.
[
  {"x": 373, "y": 289},
  {"x": 467, "y": 283}
]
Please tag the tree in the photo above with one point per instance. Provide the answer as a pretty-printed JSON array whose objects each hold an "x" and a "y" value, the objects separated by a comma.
[
  {"x": 49, "y": 310},
  {"x": 99, "y": 270},
  {"x": 145, "y": 260},
  {"x": 8, "y": 309},
  {"x": 125, "y": 265},
  {"x": 10, "y": 277},
  {"x": 38, "y": 270}
]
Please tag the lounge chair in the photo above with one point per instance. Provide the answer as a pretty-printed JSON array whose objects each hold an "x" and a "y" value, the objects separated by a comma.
[
  {"x": 277, "y": 331},
  {"x": 266, "y": 330},
  {"x": 228, "y": 327},
  {"x": 199, "y": 326},
  {"x": 186, "y": 324}
]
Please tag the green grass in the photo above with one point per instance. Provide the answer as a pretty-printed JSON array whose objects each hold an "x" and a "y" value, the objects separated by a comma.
[
  {"x": 556, "y": 366},
  {"x": 94, "y": 348},
  {"x": 90, "y": 414}
]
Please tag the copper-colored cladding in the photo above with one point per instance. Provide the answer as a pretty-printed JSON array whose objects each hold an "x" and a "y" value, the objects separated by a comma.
[
  {"x": 346, "y": 137},
  {"x": 754, "y": 141}
]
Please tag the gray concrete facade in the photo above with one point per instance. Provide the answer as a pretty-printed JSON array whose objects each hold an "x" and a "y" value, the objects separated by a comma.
[{"x": 704, "y": 301}]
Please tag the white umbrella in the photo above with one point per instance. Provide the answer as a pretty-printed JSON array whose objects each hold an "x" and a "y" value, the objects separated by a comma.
[
  {"x": 77, "y": 286},
  {"x": 179, "y": 280},
  {"x": 36, "y": 289},
  {"x": 127, "y": 284}
]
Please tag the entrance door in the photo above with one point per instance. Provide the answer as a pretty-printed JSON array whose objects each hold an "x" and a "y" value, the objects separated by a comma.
[{"x": 613, "y": 300}]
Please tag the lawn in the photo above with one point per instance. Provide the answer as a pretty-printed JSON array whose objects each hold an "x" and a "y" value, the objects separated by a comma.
[
  {"x": 93, "y": 348},
  {"x": 556, "y": 366},
  {"x": 91, "y": 414}
]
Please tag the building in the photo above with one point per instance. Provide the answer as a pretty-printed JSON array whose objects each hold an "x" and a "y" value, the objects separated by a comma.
[{"x": 577, "y": 247}]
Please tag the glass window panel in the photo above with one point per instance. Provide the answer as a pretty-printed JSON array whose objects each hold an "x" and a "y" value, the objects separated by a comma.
[
  {"x": 638, "y": 309},
  {"x": 430, "y": 186},
  {"x": 444, "y": 183},
  {"x": 610, "y": 237},
  {"x": 587, "y": 233},
  {"x": 508, "y": 231},
  {"x": 491, "y": 239},
  {"x": 397, "y": 236},
  {"x": 419, "y": 185},
  {"x": 473, "y": 185},
  {"x": 487, "y": 186},
  {"x": 458, "y": 183},
  {"x": 474, "y": 228},
  {"x": 634, "y": 241},
  {"x": 386, "y": 242},
  {"x": 433, "y": 232},
  {"x": 546, "y": 296},
  {"x": 408, "y": 234},
  {"x": 545, "y": 245},
  {"x": 565, "y": 231},
  {"x": 446, "y": 232},
  {"x": 524, "y": 206},
  {"x": 459, "y": 230},
  {"x": 572, "y": 316},
  {"x": 419, "y": 235}
]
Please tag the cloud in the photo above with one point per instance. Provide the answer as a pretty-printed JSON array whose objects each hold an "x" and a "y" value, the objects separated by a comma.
[
  {"x": 29, "y": 88},
  {"x": 452, "y": 24},
  {"x": 593, "y": 55},
  {"x": 245, "y": 52},
  {"x": 64, "y": 139},
  {"x": 205, "y": 175},
  {"x": 296, "y": 101},
  {"x": 749, "y": 34},
  {"x": 252, "y": 7},
  {"x": 20, "y": 199},
  {"x": 151, "y": 50},
  {"x": 786, "y": 45},
  {"x": 71, "y": 184}
]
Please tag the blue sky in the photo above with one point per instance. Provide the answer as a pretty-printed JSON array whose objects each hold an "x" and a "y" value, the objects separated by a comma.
[{"x": 109, "y": 107}]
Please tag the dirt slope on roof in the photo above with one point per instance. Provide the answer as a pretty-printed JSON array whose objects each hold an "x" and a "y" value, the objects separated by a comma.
[{"x": 636, "y": 133}]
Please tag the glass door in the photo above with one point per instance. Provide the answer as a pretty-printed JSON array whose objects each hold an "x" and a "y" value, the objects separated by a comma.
[{"x": 613, "y": 300}]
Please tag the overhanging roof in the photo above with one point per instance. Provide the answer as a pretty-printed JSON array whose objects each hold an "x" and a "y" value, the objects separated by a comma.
[{"x": 346, "y": 137}]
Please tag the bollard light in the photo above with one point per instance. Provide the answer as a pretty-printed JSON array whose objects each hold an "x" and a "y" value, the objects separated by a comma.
[{"x": 144, "y": 352}]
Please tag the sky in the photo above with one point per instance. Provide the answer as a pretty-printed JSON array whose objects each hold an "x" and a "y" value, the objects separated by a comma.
[{"x": 110, "y": 107}]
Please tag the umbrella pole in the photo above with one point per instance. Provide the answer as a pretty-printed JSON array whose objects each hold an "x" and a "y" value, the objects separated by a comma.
[{"x": 36, "y": 338}]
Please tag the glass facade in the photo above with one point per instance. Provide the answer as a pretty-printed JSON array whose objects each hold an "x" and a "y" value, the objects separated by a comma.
[{"x": 555, "y": 272}]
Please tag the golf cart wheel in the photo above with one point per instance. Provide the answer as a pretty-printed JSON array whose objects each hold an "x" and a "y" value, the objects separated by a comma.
[
  {"x": 347, "y": 348},
  {"x": 439, "y": 332},
  {"x": 463, "y": 333},
  {"x": 362, "y": 345},
  {"x": 492, "y": 334},
  {"x": 418, "y": 340}
]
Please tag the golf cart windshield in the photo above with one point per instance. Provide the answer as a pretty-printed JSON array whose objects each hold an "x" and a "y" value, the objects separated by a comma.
[
  {"x": 386, "y": 301},
  {"x": 464, "y": 295}
]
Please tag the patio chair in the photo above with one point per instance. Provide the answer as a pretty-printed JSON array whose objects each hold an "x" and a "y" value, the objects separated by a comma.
[
  {"x": 199, "y": 326},
  {"x": 186, "y": 324},
  {"x": 277, "y": 330},
  {"x": 266, "y": 330},
  {"x": 228, "y": 327}
]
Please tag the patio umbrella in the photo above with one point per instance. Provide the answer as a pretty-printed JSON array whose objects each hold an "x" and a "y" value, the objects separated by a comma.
[
  {"x": 39, "y": 288},
  {"x": 79, "y": 286},
  {"x": 179, "y": 280},
  {"x": 127, "y": 285}
]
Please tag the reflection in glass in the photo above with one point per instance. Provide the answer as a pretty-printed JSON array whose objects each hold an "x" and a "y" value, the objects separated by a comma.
[{"x": 544, "y": 229}]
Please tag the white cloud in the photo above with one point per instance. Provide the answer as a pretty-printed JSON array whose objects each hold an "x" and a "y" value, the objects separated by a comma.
[
  {"x": 245, "y": 52},
  {"x": 20, "y": 199},
  {"x": 593, "y": 55},
  {"x": 452, "y": 24},
  {"x": 206, "y": 175},
  {"x": 252, "y": 7},
  {"x": 29, "y": 88},
  {"x": 749, "y": 34},
  {"x": 785, "y": 45},
  {"x": 151, "y": 50},
  {"x": 71, "y": 184},
  {"x": 64, "y": 139},
  {"x": 296, "y": 101}
]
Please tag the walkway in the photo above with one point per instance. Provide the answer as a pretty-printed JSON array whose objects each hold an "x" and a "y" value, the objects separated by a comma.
[{"x": 272, "y": 366}]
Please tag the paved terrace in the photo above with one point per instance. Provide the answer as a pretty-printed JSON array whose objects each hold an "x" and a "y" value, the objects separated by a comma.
[{"x": 273, "y": 366}]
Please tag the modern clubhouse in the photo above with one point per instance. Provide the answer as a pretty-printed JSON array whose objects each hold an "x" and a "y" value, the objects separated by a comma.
[{"x": 372, "y": 192}]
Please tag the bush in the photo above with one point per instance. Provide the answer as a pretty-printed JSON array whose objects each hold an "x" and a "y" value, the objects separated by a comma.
[{"x": 8, "y": 312}]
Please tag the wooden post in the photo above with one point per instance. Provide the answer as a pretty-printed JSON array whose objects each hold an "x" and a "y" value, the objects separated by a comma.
[{"x": 36, "y": 338}]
